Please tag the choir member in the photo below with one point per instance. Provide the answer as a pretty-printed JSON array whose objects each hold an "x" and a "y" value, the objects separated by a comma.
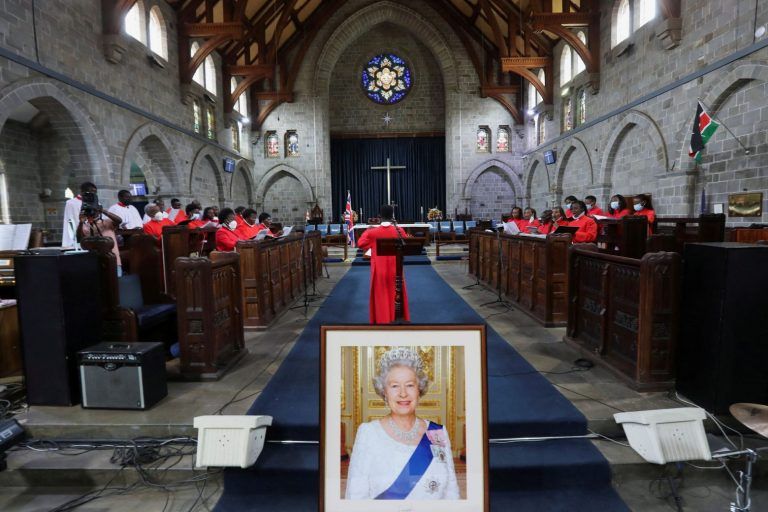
[
  {"x": 239, "y": 214},
  {"x": 160, "y": 204},
  {"x": 568, "y": 202},
  {"x": 643, "y": 206},
  {"x": 226, "y": 235},
  {"x": 126, "y": 211},
  {"x": 265, "y": 221},
  {"x": 529, "y": 214},
  {"x": 592, "y": 208},
  {"x": 194, "y": 217},
  {"x": 155, "y": 226},
  {"x": 72, "y": 214},
  {"x": 383, "y": 270},
  {"x": 249, "y": 228},
  {"x": 618, "y": 207},
  {"x": 210, "y": 215},
  {"x": 558, "y": 216},
  {"x": 175, "y": 213},
  {"x": 517, "y": 218},
  {"x": 547, "y": 224},
  {"x": 587, "y": 232}
]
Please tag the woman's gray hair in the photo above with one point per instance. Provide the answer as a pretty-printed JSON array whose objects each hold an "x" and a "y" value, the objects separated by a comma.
[{"x": 400, "y": 356}]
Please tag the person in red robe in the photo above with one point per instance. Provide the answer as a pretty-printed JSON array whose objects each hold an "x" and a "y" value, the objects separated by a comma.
[
  {"x": 587, "y": 232},
  {"x": 176, "y": 213},
  {"x": 558, "y": 216},
  {"x": 249, "y": 228},
  {"x": 546, "y": 224},
  {"x": 618, "y": 207},
  {"x": 568, "y": 202},
  {"x": 643, "y": 206},
  {"x": 226, "y": 235},
  {"x": 529, "y": 214},
  {"x": 156, "y": 223},
  {"x": 592, "y": 208},
  {"x": 517, "y": 217},
  {"x": 383, "y": 270}
]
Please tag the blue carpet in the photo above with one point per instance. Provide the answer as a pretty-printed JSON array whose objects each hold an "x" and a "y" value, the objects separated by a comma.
[
  {"x": 456, "y": 257},
  {"x": 407, "y": 260},
  {"x": 333, "y": 260},
  {"x": 552, "y": 476}
]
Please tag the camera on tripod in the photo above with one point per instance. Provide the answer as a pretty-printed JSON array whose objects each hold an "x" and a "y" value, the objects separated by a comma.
[{"x": 91, "y": 205}]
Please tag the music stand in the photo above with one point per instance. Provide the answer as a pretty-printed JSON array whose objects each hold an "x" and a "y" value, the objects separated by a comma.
[{"x": 399, "y": 247}]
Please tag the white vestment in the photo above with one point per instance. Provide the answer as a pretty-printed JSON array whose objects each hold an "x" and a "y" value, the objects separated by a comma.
[
  {"x": 71, "y": 216},
  {"x": 377, "y": 460},
  {"x": 129, "y": 214}
]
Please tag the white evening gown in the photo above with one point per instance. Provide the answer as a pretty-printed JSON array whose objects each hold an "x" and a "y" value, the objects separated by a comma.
[{"x": 377, "y": 460}]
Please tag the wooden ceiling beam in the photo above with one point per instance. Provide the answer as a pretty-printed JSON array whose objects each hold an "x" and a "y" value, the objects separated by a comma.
[
  {"x": 508, "y": 63},
  {"x": 231, "y": 29},
  {"x": 542, "y": 20}
]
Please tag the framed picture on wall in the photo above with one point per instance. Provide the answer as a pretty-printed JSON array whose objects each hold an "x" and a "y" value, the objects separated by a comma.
[
  {"x": 748, "y": 204},
  {"x": 271, "y": 145},
  {"x": 403, "y": 418}
]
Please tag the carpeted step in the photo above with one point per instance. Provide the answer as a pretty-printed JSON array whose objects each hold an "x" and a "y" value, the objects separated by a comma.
[
  {"x": 407, "y": 260},
  {"x": 547, "y": 464},
  {"x": 568, "y": 499}
]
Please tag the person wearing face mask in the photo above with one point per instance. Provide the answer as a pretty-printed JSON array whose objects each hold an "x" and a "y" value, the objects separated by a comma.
[
  {"x": 587, "y": 232},
  {"x": 194, "y": 217},
  {"x": 643, "y": 206},
  {"x": 568, "y": 202},
  {"x": 618, "y": 207},
  {"x": 155, "y": 226},
  {"x": 160, "y": 204},
  {"x": 226, "y": 236},
  {"x": 249, "y": 227},
  {"x": 131, "y": 219},
  {"x": 592, "y": 208},
  {"x": 558, "y": 217}
]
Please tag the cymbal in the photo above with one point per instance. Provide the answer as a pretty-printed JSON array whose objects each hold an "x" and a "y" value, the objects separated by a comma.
[{"x": 753, "y": 416}]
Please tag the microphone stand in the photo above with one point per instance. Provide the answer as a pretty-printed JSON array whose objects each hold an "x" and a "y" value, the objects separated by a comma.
[
  {"x": 499, "y": 299},
  {"x": 307, "y": 299},
  {"x": 477, "y": 274}
]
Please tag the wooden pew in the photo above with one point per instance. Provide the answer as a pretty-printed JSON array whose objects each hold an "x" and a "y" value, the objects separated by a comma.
[
  {"x": 672, "y": 233},
  {"x": 624, "y": 313},
  {"x": 623, "y": 237},
  {"x": 10, "y": 341},
  {"x": 533, "y": 273},
  {"x": 748, "y": 235},
  {"x": 210, "y": 323},
  {"x": 146, "y": 260}
]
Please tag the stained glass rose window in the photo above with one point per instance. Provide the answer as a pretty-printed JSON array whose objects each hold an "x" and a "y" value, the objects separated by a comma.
[{"x": 386, "y": 79}]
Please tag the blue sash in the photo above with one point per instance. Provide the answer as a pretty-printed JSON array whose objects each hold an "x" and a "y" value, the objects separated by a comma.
[{"x": 413, "y": 471}]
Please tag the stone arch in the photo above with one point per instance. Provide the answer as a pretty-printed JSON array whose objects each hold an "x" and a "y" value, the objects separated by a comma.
[
  {"x": 153, "y": 152},
  {"x": 575, "y": 144},
  {"x": 86, "y": 143},
  {"x": 206, "y": 157},
  {"x": 721, "y": 91},
  {"x": 274, "y": 174},
  {"x": 242, "y": 170},
  {"x": 383, "y": 12},
  {"x": 536, "y": 162},
  {"x": 509, "y": 175},
  {"x": 648, "y": 126}
]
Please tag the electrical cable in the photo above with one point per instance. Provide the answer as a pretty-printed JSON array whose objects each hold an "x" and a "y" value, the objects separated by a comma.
[
  {"x": 720, "y": 425},
  {"x": 626, "y": 445},
  {"x": 587, "y": 397}
]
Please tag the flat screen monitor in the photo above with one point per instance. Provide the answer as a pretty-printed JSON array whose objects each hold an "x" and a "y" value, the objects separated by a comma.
[
  {"x": 550, "y": 157},
  {"x": 229, "y": 165},
  {"x": 138, "y": 189}
]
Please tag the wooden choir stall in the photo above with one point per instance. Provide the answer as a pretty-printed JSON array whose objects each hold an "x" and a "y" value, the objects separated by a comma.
[
  {"x": 624, "y": 313},
  {"x": 532, "y": 272}
]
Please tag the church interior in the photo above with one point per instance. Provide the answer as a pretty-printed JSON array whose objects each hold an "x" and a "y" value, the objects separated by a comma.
[{"x": 191, "y": 191}]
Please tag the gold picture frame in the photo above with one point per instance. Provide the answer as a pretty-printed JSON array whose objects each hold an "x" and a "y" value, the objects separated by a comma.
[
  {"x": 454, "y": 406},
  {"x": 747, "y": 204}
]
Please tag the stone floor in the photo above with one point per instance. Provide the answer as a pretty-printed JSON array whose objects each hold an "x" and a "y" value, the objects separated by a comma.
[{"x": 39, "y": 481}]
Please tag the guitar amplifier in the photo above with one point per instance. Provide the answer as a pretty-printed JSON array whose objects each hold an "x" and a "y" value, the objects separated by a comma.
[{"x": 122, "y": 375}]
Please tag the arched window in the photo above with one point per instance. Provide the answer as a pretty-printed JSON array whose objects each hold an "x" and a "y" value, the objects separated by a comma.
[
  {"x": 623, "y": 22},
  {"x": 5, "y": 213},
  {"x": 197, "y": 112},
  {"x": 199, "y": 76},
  {"x": 578, "y": 64},
  {"x": 210, "y": 75},
  {"x": 565, "y": 65},
  {"x": 540, "y": 129},
  {"x": 646, "y": 11},
  {"x": 531, "y": 96},
  {"x": 157, "y": 41},
  {"x": 567, "y": 114},
  {"x": 543, "y": 79},
  {"x": 134, "y": 23},
  {"x": 240, "y": 106},
  {"x": 236, "y": 136},
  {"x": 581, "y": 107},
  {"x": 210, "y": 121}
]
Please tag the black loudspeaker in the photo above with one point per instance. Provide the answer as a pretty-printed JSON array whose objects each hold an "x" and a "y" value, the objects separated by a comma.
[
  {"x": 723, "y": 351},
  {"x": 123, "y": 375},
  {"x": 59, "y": 313}
]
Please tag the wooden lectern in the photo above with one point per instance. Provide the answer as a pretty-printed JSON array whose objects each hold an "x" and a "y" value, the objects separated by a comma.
[{"x": 399, "y": 247}]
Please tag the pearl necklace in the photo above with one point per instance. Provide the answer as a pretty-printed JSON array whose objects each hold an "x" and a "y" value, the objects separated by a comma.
[{"x": 406, "y": 437}]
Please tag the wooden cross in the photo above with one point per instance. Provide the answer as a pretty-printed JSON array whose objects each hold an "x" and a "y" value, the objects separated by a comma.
[{"x": 388, "y": 167}]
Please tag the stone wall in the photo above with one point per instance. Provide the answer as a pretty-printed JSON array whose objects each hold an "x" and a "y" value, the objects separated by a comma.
[{"x": 644, "y": 149}]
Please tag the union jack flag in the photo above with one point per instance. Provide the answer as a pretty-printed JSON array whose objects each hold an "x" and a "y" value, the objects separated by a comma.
[{"x": 349, "y": 220}]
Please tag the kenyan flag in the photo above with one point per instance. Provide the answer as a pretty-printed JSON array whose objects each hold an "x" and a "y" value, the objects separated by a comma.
[{"x": 703, "y": 129}]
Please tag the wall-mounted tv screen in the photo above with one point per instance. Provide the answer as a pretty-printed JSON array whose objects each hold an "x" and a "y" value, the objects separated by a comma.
[
  {"x": 550, "y": 157},
  {"x": 229, "y": 165}
]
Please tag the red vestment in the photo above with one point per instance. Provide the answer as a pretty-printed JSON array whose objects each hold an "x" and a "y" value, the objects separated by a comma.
[
  {"x": 246, "y": 231},
  {"x": 155, "y": 228},
  {"x": 651, "y": 215},
  {"x": 180, "y": 217},
  {"x": 545, "y": 229},
  {"x": 617, "y": 214},
  {"x": 383, "y": 271},
  {"x": 596, "y": 210},
  {"x": 587, "y": 229},
  {"x": 195, "y": 224},
  {"x": 226, "y": 239},
  {"x": 521, "y": 224}
]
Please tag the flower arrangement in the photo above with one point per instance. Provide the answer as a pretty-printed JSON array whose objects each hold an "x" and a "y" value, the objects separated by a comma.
[{"x": 434, "y": 214}]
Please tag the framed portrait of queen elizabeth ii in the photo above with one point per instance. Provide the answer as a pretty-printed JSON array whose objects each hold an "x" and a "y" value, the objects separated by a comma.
[{"x": 403, "y": 418}]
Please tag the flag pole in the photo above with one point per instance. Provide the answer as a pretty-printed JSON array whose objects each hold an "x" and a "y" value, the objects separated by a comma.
[{"x": 746, "y": 150}]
